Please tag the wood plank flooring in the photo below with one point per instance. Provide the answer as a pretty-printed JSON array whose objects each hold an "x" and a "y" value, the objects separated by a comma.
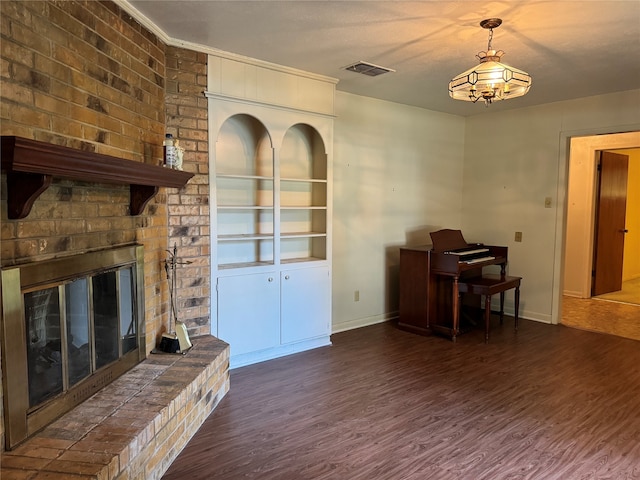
[{"x": 549, "y": 402}]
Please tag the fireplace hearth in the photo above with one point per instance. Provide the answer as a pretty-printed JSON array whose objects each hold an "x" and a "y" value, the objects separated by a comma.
[{"x": 70, "y": 326}]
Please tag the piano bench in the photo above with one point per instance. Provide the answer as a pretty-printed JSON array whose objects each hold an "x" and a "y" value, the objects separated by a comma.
[{"x": 489, "y": 285}]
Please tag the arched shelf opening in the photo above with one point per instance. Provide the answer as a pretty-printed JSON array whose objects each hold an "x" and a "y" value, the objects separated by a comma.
[
  {"x": 303, "y": 195},
  {"x": 244, "y": 193}
]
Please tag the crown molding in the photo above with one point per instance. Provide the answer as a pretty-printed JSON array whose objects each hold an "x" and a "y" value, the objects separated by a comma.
[{"x": 175, "y": 42}]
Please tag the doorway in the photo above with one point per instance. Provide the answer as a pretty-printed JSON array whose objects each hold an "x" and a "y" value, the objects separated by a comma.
[
  {"x": 578, "y": 305},
  {"x": 581, "y": 206}
]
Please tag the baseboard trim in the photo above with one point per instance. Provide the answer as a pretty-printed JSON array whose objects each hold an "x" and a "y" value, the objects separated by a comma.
[
  {"x": 244, "y": 359},
  {"x": 363, "y": 322}
]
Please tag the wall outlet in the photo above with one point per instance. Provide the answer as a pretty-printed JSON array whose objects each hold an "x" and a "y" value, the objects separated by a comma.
[
  {"x": 356, "y": 296},
  {"x": 518, "y": 237}
]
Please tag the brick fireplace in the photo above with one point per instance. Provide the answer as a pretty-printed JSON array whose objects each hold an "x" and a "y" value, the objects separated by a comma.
[
  {"x": 69, "y": 327},
  {"x": 85, "y": 75},
  {"x": 134, "y": 427}
]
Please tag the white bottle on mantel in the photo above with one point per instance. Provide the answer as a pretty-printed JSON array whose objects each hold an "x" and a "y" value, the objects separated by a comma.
[{"x": 169, "y": 151}]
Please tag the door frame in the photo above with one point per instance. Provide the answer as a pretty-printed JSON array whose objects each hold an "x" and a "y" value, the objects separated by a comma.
[{"x": 576, "y": 208}]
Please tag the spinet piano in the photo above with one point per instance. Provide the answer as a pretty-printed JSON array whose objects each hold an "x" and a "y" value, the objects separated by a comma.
[{"x": 429, "y": 275}]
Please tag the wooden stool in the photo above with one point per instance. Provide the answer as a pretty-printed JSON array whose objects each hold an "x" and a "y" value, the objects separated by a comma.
[{"x": 488, "y": 285}]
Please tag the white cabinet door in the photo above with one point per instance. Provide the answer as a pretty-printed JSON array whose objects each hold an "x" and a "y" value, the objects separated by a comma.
[
  {"x": 305, "y": 304},
  {"x": 248, "y": 312}
]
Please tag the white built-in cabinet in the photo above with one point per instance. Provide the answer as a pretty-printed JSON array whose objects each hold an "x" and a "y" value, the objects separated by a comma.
[
  {"x": 271, "y": 139},
  {"x": 249, "y": 325}
]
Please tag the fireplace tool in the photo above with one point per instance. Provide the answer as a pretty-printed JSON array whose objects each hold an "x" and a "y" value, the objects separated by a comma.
[{"x": 179, "y": 341}]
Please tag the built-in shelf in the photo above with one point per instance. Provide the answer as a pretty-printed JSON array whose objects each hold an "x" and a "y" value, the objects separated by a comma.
[
  {"x": 245, "y": 236},
  {"x": 303, "y": 207},
  {"x": 233, "y": 266},
  {"x": 304, "y": 180},
  {"x": 302, "y": 234},
  {"x": 245, "y": 207},
  {"x": 31, "y": 165},
  {"x": 244, "y": 177},
  {"x": 289, "y": 261}
]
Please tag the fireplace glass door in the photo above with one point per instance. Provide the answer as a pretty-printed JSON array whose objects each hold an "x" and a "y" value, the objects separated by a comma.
[
  {"x": 77, "y": 328},
  {"x": 81, "y": 323}
]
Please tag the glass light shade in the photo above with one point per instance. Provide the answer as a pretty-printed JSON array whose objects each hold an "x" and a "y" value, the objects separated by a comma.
[{"x": 490, "y": 81}]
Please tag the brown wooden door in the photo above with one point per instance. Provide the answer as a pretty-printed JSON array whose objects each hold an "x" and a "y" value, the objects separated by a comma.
[{"x": 610, "y": 223}]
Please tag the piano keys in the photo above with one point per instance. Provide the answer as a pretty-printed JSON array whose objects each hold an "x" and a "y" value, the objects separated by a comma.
[
  {"x": 452, "y": 264},
  {"x": 472, "y": 254}
]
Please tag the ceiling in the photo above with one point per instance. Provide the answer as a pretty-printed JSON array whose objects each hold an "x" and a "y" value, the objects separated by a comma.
[{"x": 571, "y": 49}]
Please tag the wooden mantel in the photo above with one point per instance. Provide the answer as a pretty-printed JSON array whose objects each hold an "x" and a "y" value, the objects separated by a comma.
[{"x": 31, "y": 166}]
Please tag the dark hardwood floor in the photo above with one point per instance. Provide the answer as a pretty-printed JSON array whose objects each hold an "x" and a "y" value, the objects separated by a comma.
[{"x": 549, "y": 402}]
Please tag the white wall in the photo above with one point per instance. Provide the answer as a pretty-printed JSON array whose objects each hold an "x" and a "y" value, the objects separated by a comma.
[
  {"x": 397, "y": 176},
  {"x": 401, "y": 172},
  {"x": 512, "y": 161}
]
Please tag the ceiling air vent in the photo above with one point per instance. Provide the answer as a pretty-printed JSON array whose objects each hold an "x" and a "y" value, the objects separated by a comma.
[{"x": 368, "y": 69}]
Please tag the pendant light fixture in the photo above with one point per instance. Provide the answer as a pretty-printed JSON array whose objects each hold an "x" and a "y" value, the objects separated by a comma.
[{"x": 491, "y": 80}]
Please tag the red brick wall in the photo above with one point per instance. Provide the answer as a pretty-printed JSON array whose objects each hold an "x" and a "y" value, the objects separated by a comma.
[
  {"x": 86, "y": 75},
  {"x": 189, "y": 208}
]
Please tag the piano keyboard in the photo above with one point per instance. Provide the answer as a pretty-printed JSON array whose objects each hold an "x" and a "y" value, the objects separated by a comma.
[
  {"x": 468, "y": 252},
  {"x": 477, "y": 260}
]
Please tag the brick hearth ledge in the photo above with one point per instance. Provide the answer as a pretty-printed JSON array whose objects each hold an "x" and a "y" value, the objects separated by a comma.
[{"x": 134, "y": 427}]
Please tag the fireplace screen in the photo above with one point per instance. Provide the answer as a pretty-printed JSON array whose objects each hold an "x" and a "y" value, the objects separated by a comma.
[
  {"x": 81, "y": 321},
  {"x": 77, "y": 328}
]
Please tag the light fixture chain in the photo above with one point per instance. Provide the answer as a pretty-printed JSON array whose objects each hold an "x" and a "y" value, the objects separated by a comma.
[{"x": 490, "y": 38}]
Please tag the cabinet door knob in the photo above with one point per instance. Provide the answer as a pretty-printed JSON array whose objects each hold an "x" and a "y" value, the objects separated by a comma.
[
  {"x": 271, "y": 279},
  {"x": 286, "y": 277}
]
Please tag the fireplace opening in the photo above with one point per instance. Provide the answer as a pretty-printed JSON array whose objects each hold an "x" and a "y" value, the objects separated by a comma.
[{"x": 70, "y": 326}]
